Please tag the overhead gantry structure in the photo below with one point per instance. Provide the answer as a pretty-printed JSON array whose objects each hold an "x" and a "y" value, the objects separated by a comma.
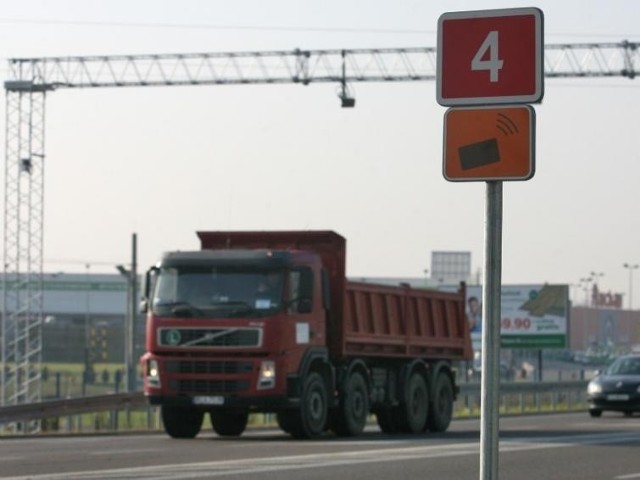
[{"x": 30, "y": 79}]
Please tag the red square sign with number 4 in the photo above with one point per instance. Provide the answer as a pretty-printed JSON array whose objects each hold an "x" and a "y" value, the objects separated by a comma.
[{"x": 490, "y": 57}]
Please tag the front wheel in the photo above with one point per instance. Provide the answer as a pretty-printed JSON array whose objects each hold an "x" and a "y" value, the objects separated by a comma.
[
  {"x": 181, "y": 422},
  {"x": 286, "y": 420},
  {"x": 310, "y": 419},
  {"x": 229, "y": 423}
]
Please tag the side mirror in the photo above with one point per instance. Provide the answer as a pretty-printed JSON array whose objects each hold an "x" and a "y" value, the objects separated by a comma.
[
  {"x": 147, "y": 284},
  {"x": 143, "y": 306}
]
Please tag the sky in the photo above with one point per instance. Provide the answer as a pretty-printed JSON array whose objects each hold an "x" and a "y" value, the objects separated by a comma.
[{"x": 165, "y": 162}]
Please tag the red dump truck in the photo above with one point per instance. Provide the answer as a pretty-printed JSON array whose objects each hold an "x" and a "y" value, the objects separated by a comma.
[{"x": 268, "y": 322}]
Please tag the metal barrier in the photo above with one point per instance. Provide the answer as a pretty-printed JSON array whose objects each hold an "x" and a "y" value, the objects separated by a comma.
[
  {"x": 70, "y": 415},
  {"x": 71, "y": 406},
  {"x": 527, "y": 397}
]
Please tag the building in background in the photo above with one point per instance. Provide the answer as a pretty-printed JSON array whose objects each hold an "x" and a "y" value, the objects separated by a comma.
[
  {"x": 447, "y": 268},
  {"x": 84, "y": 317},
  {"x": 450, "y": 268}
]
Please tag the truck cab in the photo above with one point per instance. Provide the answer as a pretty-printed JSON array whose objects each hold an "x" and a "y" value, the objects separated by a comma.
[{"x": 227, "y": 331}]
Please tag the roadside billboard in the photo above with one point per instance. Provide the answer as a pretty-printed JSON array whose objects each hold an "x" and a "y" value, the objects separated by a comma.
[{"x": 532, "y": 316}]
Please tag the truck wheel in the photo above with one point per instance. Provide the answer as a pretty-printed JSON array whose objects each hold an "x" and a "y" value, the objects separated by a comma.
[
  {"x": 311, "y": 419},
  {"x": 414, "y": 412},
  {"x": 441, "y": 410},
  {"x": 353, "y": 412},
  {"x": 181, "y": 422},
  {"x": 229, "y": 423},
  {"x": 286, "y": 419}
]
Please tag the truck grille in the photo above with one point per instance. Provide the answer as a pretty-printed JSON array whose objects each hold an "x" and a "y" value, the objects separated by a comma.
[
  {"x": 209, "y": 337},
  {"x": 209, "y": 387},
  {"x": 207, "y": 367}
]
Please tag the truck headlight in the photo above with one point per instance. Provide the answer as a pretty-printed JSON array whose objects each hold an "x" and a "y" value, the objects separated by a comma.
[
  {"x": 267, "y": 377},
  {"x": 153, "y": 373},
  {"x": 594, "y": 388}
]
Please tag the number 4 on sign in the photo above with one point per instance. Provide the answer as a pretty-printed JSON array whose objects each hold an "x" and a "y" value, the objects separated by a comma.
[{"x": 493, "y": 64}]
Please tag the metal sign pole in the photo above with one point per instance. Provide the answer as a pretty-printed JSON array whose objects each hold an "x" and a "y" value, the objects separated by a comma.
[
  {"x": 490, "y": 386},
  {"x": 131, "y": 320}
]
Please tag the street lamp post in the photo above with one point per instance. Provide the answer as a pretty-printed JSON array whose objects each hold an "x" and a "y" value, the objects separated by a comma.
[
  {"x": 631, "y": 268},
  {"x": 129, "y": 327},
  {"x": 595, "y": 298},
  {"x": 595, "y": 276},
  {"x": 586, "y": 281},
  {"x": 87, "y": 372}
]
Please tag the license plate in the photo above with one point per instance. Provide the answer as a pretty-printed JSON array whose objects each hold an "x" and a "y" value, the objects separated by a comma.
[
  {"x": 208, "y": 400},
  {"x": 617, "y": 397}
]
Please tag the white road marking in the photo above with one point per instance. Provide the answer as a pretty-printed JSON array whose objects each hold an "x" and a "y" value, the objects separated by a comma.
[
  {"x": 130, "y": 451},
  {"x": 12, "y": 458}
]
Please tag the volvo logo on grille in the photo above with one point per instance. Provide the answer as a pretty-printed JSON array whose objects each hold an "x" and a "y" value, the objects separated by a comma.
[
  {"x": 173, "y": 337},
  {"x": 213, "y": 337}
]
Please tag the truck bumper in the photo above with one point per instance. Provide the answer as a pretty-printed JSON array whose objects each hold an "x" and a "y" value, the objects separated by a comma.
[{"x": 254, "y": 404}]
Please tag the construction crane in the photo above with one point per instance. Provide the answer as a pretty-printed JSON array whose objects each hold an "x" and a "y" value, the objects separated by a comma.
[{"x": 30, "y": 79}]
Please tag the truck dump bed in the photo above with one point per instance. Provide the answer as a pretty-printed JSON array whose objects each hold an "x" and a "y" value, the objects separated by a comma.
[{"x": 404, "y": 322}]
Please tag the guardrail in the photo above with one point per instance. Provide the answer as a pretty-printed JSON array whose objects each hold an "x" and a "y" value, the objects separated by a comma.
[
  {"x": 72, "y": 406},
  {"x": 516, "y": 397},
  {"x": 527, "y": 397}
]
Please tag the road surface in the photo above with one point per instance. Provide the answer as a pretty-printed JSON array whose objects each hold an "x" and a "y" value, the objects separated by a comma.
[{"x": 561, "y": 446}]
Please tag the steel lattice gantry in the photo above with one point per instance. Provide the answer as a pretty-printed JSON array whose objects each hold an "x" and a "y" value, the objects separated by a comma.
[
  {"x": 31, "y": 78},
  {"x": 24, "y": 183}
]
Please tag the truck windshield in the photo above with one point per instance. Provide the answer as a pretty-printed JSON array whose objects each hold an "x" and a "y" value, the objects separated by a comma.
[{"x": 217, "y": 292}]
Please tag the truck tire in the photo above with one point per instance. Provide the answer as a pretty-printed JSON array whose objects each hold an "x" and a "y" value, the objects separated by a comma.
[
  {"x": 441, "y": 409},
  {"x": 310, "y": 420},
  {"x": 229, "y": 423},
  {"x": 351, "y": 416},
  {"x": 415, "y": 409},
  {"x": 181, "y": 422},
  {"x": 286, "y": 420}
]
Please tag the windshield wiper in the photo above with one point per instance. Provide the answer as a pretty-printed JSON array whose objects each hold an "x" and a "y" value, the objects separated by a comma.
[
  {"x": 181, "y": 308},
  {"x": 232, "y": 308},
  {"x": 236, "y": 307}
]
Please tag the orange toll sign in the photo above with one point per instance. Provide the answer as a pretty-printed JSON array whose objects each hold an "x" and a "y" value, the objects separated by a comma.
[{"x": 486, "y": 144}]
